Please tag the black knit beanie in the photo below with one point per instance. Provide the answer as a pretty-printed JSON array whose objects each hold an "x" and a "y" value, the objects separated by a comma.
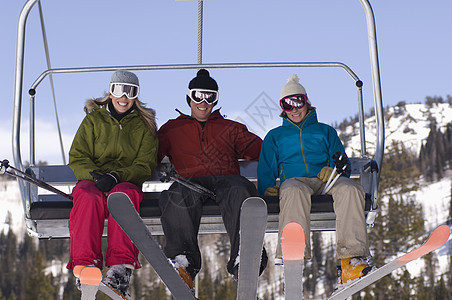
[{"x": 202, "y": 81}]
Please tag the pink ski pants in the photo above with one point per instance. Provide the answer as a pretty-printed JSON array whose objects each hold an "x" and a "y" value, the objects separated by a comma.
[{"x": 86, "y": 227}]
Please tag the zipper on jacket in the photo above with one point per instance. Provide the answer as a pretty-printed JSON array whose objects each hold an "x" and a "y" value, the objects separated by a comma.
[
  {"x": 203, "y": 145},
  {"x": 302, "y": 152},
  {"x": 301, "y": 141},
  {"x": 282, "y": 173}
]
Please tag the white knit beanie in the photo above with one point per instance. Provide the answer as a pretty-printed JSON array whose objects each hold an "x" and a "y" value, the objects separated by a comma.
[{"x": 293, "y": 87}]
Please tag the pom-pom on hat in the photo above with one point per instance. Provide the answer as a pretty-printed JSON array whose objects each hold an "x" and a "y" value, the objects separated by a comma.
[
  {"x": 203, "y": 81},
  {"x": 126, "y": 77},
  {"x": 293, "y": 87}
]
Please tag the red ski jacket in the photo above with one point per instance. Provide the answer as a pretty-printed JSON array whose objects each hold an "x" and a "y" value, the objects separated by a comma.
[{"x": 213, "y": 150}]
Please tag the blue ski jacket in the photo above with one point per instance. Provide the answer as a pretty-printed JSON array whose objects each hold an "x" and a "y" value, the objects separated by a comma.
[{"x": 292, "y": 150}]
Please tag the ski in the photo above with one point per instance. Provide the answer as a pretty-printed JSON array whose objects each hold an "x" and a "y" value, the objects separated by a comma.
[
  {"x": 292, "y": 245},
  {"x": 110, "y": 292},
  {"x": 438, "y": 238},
  {"x": 124, "y": 213},
  {"x": 90, "y": 278},
  {"x": 253, "y": 222}
]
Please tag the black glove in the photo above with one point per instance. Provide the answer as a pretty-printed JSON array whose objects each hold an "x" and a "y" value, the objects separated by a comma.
[
  {"x": 105, "y": 182},
  {"x": 341, "y": 161},
  {"x": 166, "y": 172}
]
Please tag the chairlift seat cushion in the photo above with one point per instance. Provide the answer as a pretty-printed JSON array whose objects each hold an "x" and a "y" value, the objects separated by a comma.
[{"x": 57, "y": 207}]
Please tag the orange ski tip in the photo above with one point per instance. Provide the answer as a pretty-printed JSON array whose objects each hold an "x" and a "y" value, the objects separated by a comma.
[
  {"x": 438, "y": 238},
  {"x": 293, "y": 241},
  {"x": 444, "y": 228},
  {"x": 90, "y": 276},
  {"x": 293, "y": 227},
  {"x": 77, "y": 269}
]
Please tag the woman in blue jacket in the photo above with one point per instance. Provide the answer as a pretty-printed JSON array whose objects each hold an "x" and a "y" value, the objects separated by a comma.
[{"x": 301, "y": 153}]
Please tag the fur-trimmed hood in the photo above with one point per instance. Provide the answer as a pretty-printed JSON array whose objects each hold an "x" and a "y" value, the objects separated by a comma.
[{"x": 91, "y": 105}]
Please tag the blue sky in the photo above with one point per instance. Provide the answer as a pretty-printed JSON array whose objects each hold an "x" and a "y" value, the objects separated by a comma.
[{"x": 414, "y": 43}]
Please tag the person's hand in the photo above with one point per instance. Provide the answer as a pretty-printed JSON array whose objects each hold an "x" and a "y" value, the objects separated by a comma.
[
  {"x": 105, "y": 182},
  {"x": 272, "y": 191},
  {"x": 325, "y": 173}
]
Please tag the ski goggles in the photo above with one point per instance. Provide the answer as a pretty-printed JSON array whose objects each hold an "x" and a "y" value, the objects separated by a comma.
[
  {"x": 293, "y": 101},
  {"x": 122, "y": 89},
  {"x": 200, "y": 95}
]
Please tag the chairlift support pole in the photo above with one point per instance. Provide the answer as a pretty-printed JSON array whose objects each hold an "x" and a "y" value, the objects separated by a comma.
[
  {"x": 378, "y": 102},
  {"x": 375, "y": 70},
  {"x": 18, "y": 83},
  {"x": 46, "y": 48},
  {"x": 200, "y": 17}
]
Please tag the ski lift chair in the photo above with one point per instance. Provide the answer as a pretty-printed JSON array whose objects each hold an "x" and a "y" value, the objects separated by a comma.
[{"x": 47, "y": 215}]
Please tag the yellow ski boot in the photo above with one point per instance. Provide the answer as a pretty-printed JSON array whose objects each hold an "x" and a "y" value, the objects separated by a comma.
[{"x": 354, "y": 267}]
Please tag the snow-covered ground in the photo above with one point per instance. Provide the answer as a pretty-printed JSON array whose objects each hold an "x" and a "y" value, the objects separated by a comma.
[
  {"x": 435, "y": 199},
  {"x": 11, "y": 207}
]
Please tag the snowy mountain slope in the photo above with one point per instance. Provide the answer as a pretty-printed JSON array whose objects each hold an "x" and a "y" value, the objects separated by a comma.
[{"x": 409, "y": 124}]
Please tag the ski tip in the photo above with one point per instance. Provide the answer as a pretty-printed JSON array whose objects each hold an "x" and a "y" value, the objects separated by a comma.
[
  {"x": 254, "y": 201},
  {"x": 293, "y": 241},
  {"x": 441, "y": 234},
  {"x": 77, "y": 269},
  {"x": 293, "y": 228},
  {"x": 116, "y": 197},
  {"x": 437, "y": 239},
  {"x": 90, "y": 276}
]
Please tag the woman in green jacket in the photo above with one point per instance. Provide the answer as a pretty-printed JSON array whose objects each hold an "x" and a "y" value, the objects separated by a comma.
[{"x": 114, "y": 150}]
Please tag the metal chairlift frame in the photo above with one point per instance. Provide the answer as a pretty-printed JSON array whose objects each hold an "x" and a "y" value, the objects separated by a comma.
[{"x": 29, "y": 193}]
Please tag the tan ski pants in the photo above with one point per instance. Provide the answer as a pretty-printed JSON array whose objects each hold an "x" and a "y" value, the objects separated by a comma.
[{"x": 349, "y": 199}]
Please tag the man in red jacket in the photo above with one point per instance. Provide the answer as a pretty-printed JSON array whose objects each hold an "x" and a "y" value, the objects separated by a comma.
[{"x": 205, "y": 148}]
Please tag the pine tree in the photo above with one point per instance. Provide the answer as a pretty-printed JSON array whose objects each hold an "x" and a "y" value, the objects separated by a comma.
[
  {"x": 449, "y": 279},
  {"x": 25, "y": 262},
  {"x": 429, "y": 272},
  {"x": 39, "y": 285},
  {"x": 436, "y": 154},
  {"x": 54, "y": 248},
  {"x": 205, "y": 285},
  {"x": 225, "y": 288},
  {"x": 400, "y": 223},
  {"x": 70, "y": 291},
  {"x": 8, "y": 259},
  {"x": 448, "y": 143},
  {"x": 449, "y": 272},
  {"x": 313, "y": 266},
  {"x": 330, "y": 269},
  {"x": 440, "y": 290}
]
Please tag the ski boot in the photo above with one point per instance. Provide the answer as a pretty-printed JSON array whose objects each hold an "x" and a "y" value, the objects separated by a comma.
[
  {"x": 118, "y": 279},
  {"x": 186, "y": 277},
  {"x": 234, "y": 271},
  {"x": 353, "y": 268}
]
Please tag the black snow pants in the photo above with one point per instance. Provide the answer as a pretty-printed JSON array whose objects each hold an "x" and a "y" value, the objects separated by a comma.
[{"x": 182, "y": 209}]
